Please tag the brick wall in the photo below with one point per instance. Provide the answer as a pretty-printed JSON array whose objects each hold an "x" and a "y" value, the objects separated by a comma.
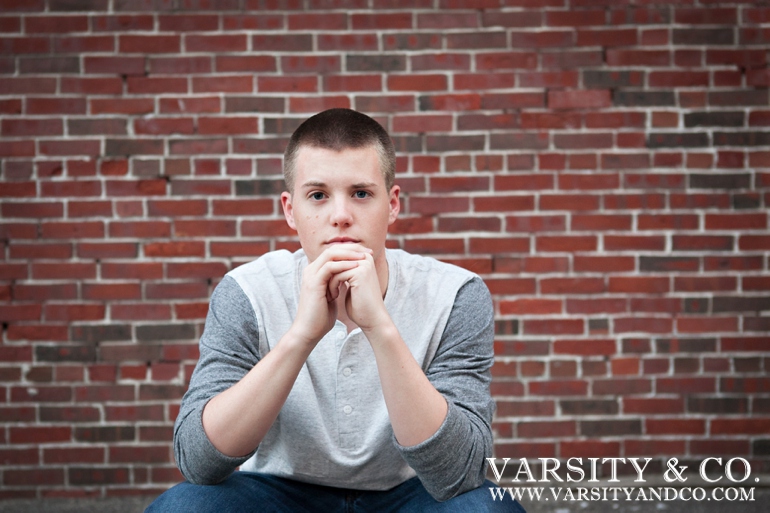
[{"x": 603, "y": 164}]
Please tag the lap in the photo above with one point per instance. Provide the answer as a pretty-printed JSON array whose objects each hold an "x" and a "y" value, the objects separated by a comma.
[{"x": 247, "y": 491}]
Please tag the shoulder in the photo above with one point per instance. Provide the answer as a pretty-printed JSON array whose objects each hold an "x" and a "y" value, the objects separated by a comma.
[
  {"x": 275, "y": 263},
  {"x": 423, "y": 264}
]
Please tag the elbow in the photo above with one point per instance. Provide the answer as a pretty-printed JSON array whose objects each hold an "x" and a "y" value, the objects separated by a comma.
[
  {"x": 197, "y": 461},
  {"x": 200, "y": 473},
  {"x": 470, "y": 478}
]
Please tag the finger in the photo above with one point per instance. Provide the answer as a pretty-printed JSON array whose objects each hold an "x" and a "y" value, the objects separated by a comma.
[
  {"x": 332, "y": 268},
  {"x": 336, "y": 255},
  {"x": 341, "y": 249},
  {"x": 340, "y": 278}
]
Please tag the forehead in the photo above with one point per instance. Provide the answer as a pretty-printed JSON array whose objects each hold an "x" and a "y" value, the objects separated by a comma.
[{"x": 322, "y": 164}]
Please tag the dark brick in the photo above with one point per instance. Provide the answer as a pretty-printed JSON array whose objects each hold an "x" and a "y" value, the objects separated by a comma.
[
  {"x": 741, "y": 138},
  {"x": 65, "y": 353},
  {"x": 760, "y": 405},
  {"x": 717, "y": 405},
  {"x": 260, "y": 146},
  {"x": 154, "y": 332},
  {"x": 100, "y": 126},
  {"x": 69, "y": 414},
  {"x": 677, "y": 140},
  {"x": 161, "y": 392},
  {"x": 644, "y": 98},
  {"x": 259, "y": 187},
  {"x": 747, "y": 201},
  {"x": 130, "y": 147},
  {"x": 130, "y": 352},
  {"x": 756, "y": 323},
  {"x": 714, "y": 118},
  {"x": 594, "y": 79},
  {"x": 407, "y": 143},
  {"x": 636, "y": 346},
  {"x": 761, "y": 447},
  {"x": 610, "y": 427},
  {"x": 519, "y": 141},
  {"x": 686, "y": 365},
  {"x": 254, "y": 104},
  {"x": 595, "y": 325},
  {"x": 743, "y": 97},
  {"x": 741, "y": 304},
  {"x": 720, "y": 181},
  {"x": 655, "y": 264},
  {"x": 747, "y": 385},
  {"x": 281, "y": 125},
  {"x": 685, "y": 345},
  {"x": 455, "y": 142},
  {"x": 744, "y": 365},
  {"x": 507, "y": 327},
  {"x": 696, "y": 304},
  {"x": 377, "y": 62},
  {"x": 49, "y": 65},
  {"x": 105, "y": 434},
  {"x": 589, "y": 407},
  {"x": 700, "y": 36},
  {"x": 78, "y": 5},
  {"x": 100, "y": 333},
  {"x": 98, "y": 476}
]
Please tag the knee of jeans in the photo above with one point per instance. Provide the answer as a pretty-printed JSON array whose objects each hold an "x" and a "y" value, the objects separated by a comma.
[
  {"x": 185, "y": 497},
  {"x": 481, "y": 500}
]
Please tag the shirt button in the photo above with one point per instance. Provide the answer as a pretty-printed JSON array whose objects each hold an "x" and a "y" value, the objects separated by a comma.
[
  {"x": 348, "y": 409},
  {"x": 347, "y": 372},
  {"x": 341, "y": 336}
]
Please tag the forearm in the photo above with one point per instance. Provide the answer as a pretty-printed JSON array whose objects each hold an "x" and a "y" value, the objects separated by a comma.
[
  {"x": 236, "y": 420},
  {"x": 452, "y": 461},
  {"x": 405, "y": 388}
]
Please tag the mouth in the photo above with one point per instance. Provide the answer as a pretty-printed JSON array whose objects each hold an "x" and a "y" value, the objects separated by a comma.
[{"x": 342, "y": 240}]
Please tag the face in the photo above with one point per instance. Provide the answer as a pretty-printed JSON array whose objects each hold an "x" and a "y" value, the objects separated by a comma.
[{"x": 339, "y": 198}]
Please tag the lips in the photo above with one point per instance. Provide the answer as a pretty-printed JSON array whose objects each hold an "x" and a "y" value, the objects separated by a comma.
[{"x": 342, "y": 240}]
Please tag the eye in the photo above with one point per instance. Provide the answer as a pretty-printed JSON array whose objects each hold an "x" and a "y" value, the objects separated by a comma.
[
  {"x": 361, "y": 194},
  {"x": 317, "y": 196}
]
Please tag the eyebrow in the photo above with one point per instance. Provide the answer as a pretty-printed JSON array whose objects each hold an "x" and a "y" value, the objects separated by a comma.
[{"x": 360, "y": 185}]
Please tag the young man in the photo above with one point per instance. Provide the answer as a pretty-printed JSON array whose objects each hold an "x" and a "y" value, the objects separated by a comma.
[{"x": 344, "y": 376}]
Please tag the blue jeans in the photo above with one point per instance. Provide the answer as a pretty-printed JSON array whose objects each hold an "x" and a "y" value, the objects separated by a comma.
[{"x": 248, "y": 491}]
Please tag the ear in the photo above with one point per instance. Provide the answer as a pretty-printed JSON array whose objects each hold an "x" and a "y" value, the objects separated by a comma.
[
  {"x": 288, "y": 209},
  {"x": 394, "y": 203}
]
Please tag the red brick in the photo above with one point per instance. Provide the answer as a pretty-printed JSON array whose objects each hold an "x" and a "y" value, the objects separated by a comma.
[
  {"x": 114, "y": 65},
  {"x": 107, "y": 250},
  {"x": 39, "y": 435},
  {"x": 31, "y": 127},
  {"x": 579, "y": 99},
  {"x": 256, "y": 63},
  {"x": 228, "y": 125},
  {"x": 122, "y": 106},
  {"x": 174, "y": 249},
  {"x": 558, "y": 388},
  {"x": 675, "y": 426},
  {"x": 233, "y": 84},
  {"x": 506, "y": 60},
  {"x": 104, "y": 291}
]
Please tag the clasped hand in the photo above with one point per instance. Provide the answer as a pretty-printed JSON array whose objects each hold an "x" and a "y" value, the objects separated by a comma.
[{"x": 341, "y": 268}]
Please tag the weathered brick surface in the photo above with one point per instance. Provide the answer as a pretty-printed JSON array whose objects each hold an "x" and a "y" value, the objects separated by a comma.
[{"x": 603, "y": 165}]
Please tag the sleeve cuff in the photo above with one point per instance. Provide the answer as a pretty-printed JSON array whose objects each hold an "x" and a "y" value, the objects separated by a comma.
[
  {"x": 216, "y": 466},
  {"x": 432, "y": 456}
]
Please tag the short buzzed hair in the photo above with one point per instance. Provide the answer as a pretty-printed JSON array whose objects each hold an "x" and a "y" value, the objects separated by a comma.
[{"x": 337, "y": 130}]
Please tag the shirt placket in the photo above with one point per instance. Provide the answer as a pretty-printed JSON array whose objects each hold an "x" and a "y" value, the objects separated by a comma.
[{"x": 348, "y": 414}]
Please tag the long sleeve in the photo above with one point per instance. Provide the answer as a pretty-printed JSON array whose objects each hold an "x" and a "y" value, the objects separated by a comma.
[
  {"x": 228, "y": 350},
  {"x": 453, "y": 460}
]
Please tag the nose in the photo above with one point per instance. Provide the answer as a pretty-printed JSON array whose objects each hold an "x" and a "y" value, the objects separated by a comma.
[{"x": 341, "y": 214}]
